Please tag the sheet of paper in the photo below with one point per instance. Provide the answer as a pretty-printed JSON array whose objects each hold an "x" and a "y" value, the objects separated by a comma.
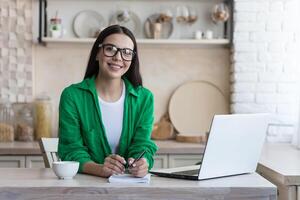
[{"x": 128, "y": 178}]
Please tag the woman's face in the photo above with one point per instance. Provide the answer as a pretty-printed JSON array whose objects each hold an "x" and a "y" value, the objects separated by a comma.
[{"x": 115, "y": 66}]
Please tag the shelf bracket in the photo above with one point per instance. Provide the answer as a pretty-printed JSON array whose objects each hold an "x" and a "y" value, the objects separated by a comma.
[{"x": 42, "y": 21}]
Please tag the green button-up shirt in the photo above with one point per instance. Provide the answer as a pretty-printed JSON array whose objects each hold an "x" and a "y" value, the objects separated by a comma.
[{"x": 82, "y": 134}]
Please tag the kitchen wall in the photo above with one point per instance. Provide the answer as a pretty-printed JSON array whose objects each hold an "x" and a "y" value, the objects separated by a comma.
[
  {"x": 15, "y": 50},
  {"x": 264, "y": 73},
  {"x": 265, "y": 70},
  {"x": 163, "y": 69}
]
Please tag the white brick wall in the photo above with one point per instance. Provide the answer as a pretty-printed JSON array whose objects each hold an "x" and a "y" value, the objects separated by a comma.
[{"x": 265, "y": 72}]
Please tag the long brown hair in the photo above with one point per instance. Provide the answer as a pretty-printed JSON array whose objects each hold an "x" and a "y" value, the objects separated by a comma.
[{"x": 133, "y": 73}]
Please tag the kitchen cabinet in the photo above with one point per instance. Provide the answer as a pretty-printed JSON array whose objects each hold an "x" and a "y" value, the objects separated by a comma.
[
  {"x": 183, "y": 33},
  {"x": 34, "y": 162},
  {"x": 21, "y": 162},
  {"x": 170, "y": 154},
  {"x": 161, "y": 161},
  {"x": 20, "y": 155},
  {"x": 12, "y": 161},
  {"x": 175, "y": 160},
  {"x": 176, "y": 154}
]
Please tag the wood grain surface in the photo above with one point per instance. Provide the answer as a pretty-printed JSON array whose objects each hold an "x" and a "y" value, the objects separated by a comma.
[{"x": 22, "y": 183}]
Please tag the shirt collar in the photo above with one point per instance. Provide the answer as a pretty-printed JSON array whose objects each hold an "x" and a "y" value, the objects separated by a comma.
[{"x": 89, "y": 84}]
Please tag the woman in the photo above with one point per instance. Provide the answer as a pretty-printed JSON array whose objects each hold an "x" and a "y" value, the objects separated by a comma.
[{"x": 105, "y": 122}]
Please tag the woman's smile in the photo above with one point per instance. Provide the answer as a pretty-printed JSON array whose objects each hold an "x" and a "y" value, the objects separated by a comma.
[{"x": 114, "y": 66}]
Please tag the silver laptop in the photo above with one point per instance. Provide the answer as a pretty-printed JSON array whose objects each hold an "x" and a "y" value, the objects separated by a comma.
[{"x": 234, "y": 145}]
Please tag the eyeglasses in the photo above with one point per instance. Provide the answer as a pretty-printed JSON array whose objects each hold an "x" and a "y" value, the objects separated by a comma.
[{"x": 111, "y": 50}]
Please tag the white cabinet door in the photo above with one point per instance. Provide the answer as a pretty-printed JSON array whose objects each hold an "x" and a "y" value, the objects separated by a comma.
[
  {"x": 160, "y": 161},
  {"x": 34, "y": 162},
  {"x": 183, "y": 160},
  {"x": 12, "y": 161}
]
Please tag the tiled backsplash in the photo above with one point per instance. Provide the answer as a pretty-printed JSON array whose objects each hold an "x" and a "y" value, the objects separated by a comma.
[{"x": 15, "y": 50}]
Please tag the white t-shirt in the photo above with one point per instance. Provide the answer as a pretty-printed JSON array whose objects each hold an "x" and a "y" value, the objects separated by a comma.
[{"x": 112, "y": 118}]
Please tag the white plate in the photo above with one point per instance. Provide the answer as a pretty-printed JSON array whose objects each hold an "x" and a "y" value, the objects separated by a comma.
[
  {"x": 87, "y": 23},
  {"x": 133, "y": 22}
]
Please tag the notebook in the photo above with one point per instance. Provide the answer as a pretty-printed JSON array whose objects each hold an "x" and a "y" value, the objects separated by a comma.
[
  {"x": 233, "y": 147},
  {"x": 128, "y": 178}
]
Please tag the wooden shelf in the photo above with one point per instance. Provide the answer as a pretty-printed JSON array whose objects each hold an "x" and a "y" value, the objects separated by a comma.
[{"x": 144, "y": 41}]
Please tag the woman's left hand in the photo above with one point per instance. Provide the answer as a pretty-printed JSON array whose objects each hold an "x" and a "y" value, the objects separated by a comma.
[{"x": 139, "y": 168}]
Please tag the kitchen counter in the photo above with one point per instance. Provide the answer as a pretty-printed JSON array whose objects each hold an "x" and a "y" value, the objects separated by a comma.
[
  {"x": 43, "y": 184},
  {"x": 19, "y": 148},
  {"x": 280, "y": 163},
  {"x": 174, "y": 147},
  {"x": 165, "y": 147}
]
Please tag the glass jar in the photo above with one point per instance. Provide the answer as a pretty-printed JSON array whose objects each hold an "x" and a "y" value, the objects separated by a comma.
[
  {"x": 6, "y": 122},
  {"x": 55, "y": 27},
  {"x": 25, "y": 125},
  {"x": 43, "y": 116}
]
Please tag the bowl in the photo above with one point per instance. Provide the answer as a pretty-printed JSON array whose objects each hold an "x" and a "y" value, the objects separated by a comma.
[{"x": 65, "y": 169}]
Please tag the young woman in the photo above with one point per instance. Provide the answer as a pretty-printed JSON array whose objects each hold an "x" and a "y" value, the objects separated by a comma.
[{"x": 105, "y": 122}]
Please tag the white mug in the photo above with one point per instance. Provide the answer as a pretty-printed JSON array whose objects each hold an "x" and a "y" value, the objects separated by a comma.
[
  {"x": 198, "y": 34},
  {"x": 209, "y": 34}
]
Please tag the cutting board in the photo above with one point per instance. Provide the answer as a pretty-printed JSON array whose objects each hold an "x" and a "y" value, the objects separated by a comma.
[
  {"x": 193, "y": 105},
  {"x": 163, "y": 130}
]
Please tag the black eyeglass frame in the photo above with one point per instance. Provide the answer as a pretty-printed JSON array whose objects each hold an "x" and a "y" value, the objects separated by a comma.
[{"x": 118, "y": 49}]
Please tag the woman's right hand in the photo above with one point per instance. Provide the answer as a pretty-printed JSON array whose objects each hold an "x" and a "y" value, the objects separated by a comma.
[{"x": 113, "y": 164}]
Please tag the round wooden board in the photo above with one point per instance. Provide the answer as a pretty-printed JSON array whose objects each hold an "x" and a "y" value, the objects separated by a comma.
[{"x": 193, "y": 105}]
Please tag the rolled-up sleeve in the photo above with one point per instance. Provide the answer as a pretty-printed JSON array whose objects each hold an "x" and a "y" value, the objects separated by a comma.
[
  {"x": 142, "y": 136},
  {"x": 71, "y": 145}
]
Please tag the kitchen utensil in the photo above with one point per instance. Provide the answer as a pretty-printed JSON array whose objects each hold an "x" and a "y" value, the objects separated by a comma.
[
  {"x": 156, "y": 20},
  {"x": 6, "y": 122},
  {"x": 123, "y": 16},
  {"x": 192, "y": 18},
  {"x": 163, "y": 130},
  {"x": 182, "y": 14},
  {"x": 127, "y": 19},
  {"x": 198, "y": 34},
  {"x": 208, "y": 34},
  {"x": 193, "y": 105},
  {"x": 86, "y": 23},
  {"x": 25, "y": 124},
  {"x": 65, "y": 169},
  {"x": 43, "y": 117},
  {"x": 220, "y": 13},
  {"x": 56, "y": 29}
]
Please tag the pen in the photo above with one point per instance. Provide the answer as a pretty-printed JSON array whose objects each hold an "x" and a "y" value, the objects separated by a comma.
[{"x": 137, "y": 159}]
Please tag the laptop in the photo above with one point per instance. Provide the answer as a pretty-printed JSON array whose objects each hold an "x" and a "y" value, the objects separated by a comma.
[{"x": 233, "y": 147}]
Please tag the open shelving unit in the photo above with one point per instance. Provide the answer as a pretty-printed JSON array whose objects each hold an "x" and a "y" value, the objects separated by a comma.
[
  {"x": 143, "y": 41},
  {"x": 45, "y": 12}
]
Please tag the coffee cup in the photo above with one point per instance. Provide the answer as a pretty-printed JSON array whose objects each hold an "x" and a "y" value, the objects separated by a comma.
[{"x": 65, "y": 169}]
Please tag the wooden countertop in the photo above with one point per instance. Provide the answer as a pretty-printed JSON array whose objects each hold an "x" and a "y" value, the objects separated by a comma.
[
  {"x": 43, "y": 184},
  {"x": 165, "y": 147},
  {"x": 19, "y": 148},
  {"x": 174, "y": 147},
  {"x": 281, "y": 162}
]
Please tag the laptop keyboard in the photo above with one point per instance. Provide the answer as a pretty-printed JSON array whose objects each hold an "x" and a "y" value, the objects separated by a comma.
[{"x": 187, "y": 172}]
